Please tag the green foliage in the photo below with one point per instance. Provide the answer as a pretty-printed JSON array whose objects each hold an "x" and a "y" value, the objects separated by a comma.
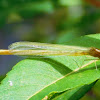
[
  {"x": 73, "y": 94},
  {"x": 70, "y": 2},
  {"x": 1, "y": 78},
  {"x": 54, "y": 21},
  {"x": 25, "y": 9},
  {"x": 53, "y": 78},
  {"x": 49, "y": 19}
]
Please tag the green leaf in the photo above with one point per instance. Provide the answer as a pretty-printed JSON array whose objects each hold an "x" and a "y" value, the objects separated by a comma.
[
  {"x": 73, "y": 94},
  {"x": 2, "y": 77},
  {"x": 35, "y": 78}
]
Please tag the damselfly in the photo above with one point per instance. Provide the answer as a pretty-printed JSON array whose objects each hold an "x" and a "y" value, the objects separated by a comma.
[{"x": 45, "y": 49}]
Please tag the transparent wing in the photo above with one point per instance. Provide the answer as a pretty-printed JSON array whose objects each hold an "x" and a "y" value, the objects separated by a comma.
[
  {"x": 44, "y": 49},
  {"x": 42, "y": 46}
]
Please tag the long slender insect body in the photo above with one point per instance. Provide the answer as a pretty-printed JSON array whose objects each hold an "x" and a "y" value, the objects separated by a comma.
[
  {"x": 47, "y": 52},
  {"x": 45, "y": 49},
  {"x": 5, "y": 52}
]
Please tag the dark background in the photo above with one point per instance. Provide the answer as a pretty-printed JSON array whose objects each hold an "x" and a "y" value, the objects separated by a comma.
[{"x": 50, "y": 21}]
